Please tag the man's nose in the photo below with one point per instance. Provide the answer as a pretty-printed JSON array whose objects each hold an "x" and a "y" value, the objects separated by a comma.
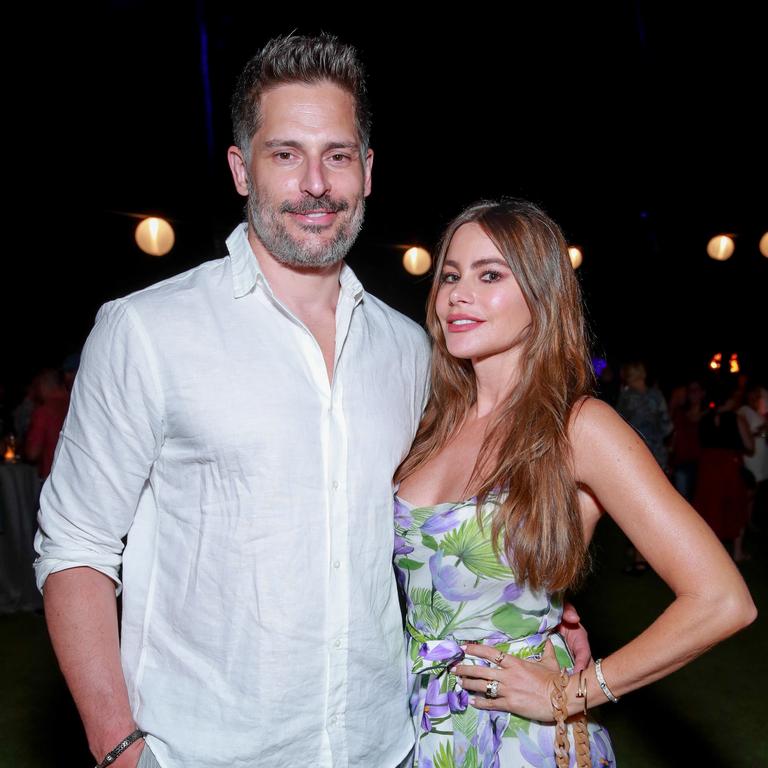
[{"x": 315, "y": 180}]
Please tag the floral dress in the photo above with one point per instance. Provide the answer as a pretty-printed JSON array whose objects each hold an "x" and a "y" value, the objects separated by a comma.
[{"x": 456, "y": 590}]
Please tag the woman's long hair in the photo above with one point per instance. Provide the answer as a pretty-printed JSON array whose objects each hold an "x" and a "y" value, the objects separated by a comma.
[{"x": 526, "y": 453}]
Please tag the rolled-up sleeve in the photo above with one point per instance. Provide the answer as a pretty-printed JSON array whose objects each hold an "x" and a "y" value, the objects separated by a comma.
[{"x": 110, "y": 439}]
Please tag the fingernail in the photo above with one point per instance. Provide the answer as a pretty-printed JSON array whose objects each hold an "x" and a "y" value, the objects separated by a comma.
[
  {"x": 459, "y": 680},
  {"x": 472, "y": 700}
]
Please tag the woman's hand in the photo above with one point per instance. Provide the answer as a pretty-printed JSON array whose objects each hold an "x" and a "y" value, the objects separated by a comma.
[{"x": 524, "y": 686}]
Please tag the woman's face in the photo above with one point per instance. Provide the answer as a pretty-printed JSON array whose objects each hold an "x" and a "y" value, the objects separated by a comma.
[{"x": 479, "y": 303}]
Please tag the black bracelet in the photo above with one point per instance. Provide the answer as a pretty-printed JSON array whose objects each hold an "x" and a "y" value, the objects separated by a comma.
[{"x": 120, "y": 748}]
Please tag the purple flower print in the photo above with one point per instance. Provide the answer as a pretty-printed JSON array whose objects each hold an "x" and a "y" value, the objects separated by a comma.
[
  {"x": 539, "y": 753},
  {"x": 490, "y": 728},
  {"x": 402, "y": 514},
  {"x": 443, "y": 521},
  {"x": 435, "y": 704},
  {"x": 602, "y": 751},
  {"x": 458, "y": 700},
  {"x": 441, "y": 650},
  {"x": 511, "y": 592},
  {"x": 402, "y": 547},
  {"x": 447, "y": 580}
]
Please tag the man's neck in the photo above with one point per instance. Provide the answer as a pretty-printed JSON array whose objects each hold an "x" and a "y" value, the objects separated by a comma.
[{"x": 306, "y": 291}]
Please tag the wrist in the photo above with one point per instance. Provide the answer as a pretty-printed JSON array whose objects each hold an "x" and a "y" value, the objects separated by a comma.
[{"x": 126, "y": 755}]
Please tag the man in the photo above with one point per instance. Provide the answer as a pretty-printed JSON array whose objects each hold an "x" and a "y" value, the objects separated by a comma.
[{"x": 241, "y": 423}]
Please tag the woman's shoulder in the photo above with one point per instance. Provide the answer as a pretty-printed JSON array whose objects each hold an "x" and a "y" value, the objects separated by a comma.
[{"x": 593, "y": 422}]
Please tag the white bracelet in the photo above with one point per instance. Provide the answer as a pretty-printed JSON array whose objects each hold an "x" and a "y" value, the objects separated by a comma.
[{"x": 601, "y": 682}]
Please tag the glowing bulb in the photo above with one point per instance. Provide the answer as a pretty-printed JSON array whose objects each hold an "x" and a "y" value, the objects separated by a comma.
[
  {"x": 716, "y": 361},
  {"x": 764, "y": 245},
  {"x": 155, "y": 236},
  {"x": 417, "y": 261},
  {"x": 734, "y": 363},
  {"x": 576, "y": 256},
  {"x": 720, "y": 247}
]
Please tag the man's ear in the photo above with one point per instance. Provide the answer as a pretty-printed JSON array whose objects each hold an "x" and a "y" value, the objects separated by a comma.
[{"x": 239, "y": 170}]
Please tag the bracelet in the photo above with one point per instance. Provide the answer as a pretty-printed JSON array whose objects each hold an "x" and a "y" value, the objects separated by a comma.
[
  {"x": 113, "y": 754},
  {"x": 581, "y": 693},
  {"x": 560, "y": 713},
  {"x": 601, "y": 682}
]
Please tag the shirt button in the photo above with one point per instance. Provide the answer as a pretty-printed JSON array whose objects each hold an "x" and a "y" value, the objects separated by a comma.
[
  {"x": 337, "y": 643},
  {"x": 337, "y": 564},
  {"x": 334, "y": 720},
  {"x": 335, "y": 484}
]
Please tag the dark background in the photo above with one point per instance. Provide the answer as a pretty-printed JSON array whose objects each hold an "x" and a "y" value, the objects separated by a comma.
[{"x": 640, "y": 129}]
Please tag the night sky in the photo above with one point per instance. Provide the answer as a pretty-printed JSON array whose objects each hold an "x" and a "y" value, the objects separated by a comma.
[{"x": 642, "y": 133}]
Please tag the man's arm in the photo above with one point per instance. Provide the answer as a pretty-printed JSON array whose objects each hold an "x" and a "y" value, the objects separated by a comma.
[
  {"x": 81, "y": 612},
  {"x": 108, "y": 444}
]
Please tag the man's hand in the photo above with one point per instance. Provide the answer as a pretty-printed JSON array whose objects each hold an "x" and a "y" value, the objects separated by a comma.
[{"x": 576, "y": 637}]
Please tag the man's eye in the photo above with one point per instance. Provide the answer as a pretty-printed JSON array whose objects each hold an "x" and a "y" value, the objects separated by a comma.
[
  {"x": 339, "y": 157},
  {"x": 284, "y": 155}
]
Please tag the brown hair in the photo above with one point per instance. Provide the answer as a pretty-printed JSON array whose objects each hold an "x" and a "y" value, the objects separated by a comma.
[
  {"x": 297, "y": 59},
  {"x": 526, "y": 453}
]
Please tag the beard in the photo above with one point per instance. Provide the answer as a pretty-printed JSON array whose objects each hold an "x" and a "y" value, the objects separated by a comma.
[{"x": 268, "y": 225}]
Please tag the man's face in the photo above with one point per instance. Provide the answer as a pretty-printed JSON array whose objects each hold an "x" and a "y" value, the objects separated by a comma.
[{"x": 306, "y": 181}]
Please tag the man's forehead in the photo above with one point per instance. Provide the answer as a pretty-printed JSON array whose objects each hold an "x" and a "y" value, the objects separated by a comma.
[{"x": 321, "y": 96}]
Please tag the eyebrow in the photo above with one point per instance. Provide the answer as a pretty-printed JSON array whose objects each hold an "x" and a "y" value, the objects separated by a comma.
[
  {"x": 479, "y": 263},
  {"x": 273, "y": 143}
]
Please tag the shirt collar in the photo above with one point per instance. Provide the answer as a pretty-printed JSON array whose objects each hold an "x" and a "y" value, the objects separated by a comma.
[{"x": 246, "y": 272}]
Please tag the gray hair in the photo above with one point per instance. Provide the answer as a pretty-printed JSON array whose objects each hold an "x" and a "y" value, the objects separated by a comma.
[{"x": 298, "y": 59}]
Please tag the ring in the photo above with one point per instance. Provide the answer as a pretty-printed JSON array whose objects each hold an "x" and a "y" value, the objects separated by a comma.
[
  {"x": 492, "y": 689},
  {"x": 497, "y": 661}
]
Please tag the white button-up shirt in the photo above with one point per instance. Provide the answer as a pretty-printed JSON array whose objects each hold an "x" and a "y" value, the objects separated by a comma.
[{"x": 261, "y": 625}]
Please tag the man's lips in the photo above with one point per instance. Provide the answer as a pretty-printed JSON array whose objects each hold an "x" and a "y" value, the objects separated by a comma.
[
  {"x": 462, "y": 323},
  {"x": 318, "y": 218}
]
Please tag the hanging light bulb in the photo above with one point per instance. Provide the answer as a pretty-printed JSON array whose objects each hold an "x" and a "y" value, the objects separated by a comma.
[
  {"x": 733, "y": 363},
  {"x": 716, "y": 361},
  {"x": 417, "y": 261},
  {"x": 155, "y": 236},
  {"x": 720, "y": 247},
  {"x": 764, "y": 245},
  {"x": 576, "y": 256}
]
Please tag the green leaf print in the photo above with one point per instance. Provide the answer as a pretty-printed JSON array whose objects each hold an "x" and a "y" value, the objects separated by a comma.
[
  {"x": 429, "y": 541},
  {"x": 443, "y": 757},
  {"x": 517, "y": 724},
  {"x": 471, "y": 759},
  {"x": 429, "y": 609},
  {"x": 510, "y": 620},
  {"x": 471, "y": 546},
  {"x": 420, "y": 515},
  {"x": 563, "y": 657},
  {"x": 466, "y": 722},
  {"x": 411, "y": 565}
]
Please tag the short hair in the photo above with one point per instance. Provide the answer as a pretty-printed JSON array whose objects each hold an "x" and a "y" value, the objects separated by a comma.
[{"x": 298, "y": 59}]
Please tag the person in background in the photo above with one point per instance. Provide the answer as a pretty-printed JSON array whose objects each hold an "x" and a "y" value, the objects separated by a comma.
[
  {"x": 46, "y": 421},
  {"x": 721, "y": 491},
  {"x": 686, "y": 448}
]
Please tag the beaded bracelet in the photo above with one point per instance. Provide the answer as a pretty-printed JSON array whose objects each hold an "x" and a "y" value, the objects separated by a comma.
[{"x": 601, "y": 682}]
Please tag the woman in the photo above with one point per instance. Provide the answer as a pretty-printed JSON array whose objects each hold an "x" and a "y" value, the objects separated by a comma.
[{"x": 511, "y": 432}]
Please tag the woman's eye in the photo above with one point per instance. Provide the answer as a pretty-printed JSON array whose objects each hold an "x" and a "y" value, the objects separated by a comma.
[
  {"x": 448, "y": 277},
  {"x": 491, "y": 276}
]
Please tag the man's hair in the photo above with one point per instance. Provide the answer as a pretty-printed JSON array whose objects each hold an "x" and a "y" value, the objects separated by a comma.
[{"x": 297, "y": 59}]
